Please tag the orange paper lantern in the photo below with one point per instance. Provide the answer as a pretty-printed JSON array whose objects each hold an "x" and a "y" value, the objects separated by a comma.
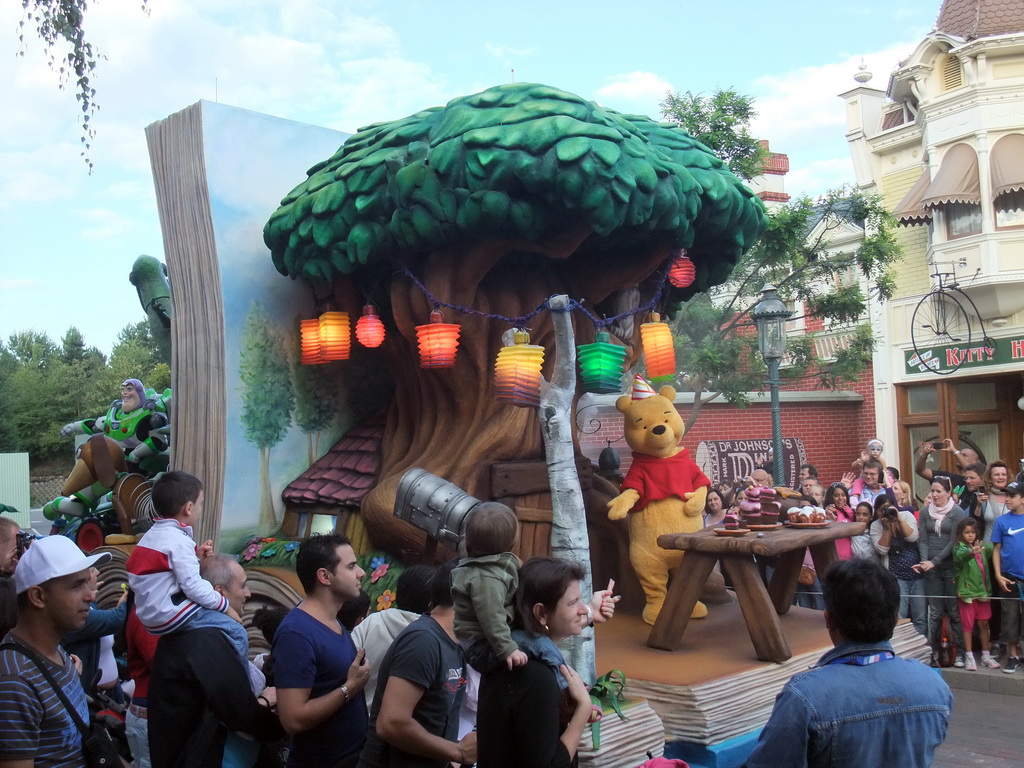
[
  {"x": 659, "y": 353},
  {"x": 517, "y": 375},
  {"x": 438, "y": 342},
  {"x": 682, "y": 273},
  {"x": 369, "y": 328},
  {"x": 309, "y": 344},
  {"x": 335, "y": 336}
]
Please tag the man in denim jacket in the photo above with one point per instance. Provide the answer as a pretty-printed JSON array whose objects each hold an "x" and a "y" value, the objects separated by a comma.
[{"x": 859, "y": 705}]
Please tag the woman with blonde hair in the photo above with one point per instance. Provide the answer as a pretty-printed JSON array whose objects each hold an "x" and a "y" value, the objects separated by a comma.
[
  {"x": 904, "y": 497},
  {"x": 992, "y": 498}
]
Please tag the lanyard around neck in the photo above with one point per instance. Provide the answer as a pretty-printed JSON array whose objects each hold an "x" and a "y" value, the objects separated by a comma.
[{"x": 863, "y": 661}]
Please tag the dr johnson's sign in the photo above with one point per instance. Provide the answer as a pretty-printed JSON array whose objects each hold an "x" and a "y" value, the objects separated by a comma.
[
  {"x": 950, "y": 358},
  {"x": 726, "y": 461}
]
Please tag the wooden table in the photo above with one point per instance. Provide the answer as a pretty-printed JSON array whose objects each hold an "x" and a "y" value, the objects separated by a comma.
[{"x": 761, "y": 606}]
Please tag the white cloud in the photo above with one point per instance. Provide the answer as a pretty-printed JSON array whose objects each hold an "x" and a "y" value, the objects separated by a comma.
[
  {"x": 372, "y": 90},
  {"x": 103, "y": 224},
  {"x": 635, "y": 89},
  {"x": 801, "y": 114},
  {"x": 39, "y": 175},
  {"x": 7, "y": 284},
  {"x": 798, "y": 103},
  {"x": 506, "y": 52},
  {"x": 819, "y": 176}
]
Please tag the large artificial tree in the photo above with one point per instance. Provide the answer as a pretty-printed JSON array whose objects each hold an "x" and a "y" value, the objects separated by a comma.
[{"x": 494, "y": 203}]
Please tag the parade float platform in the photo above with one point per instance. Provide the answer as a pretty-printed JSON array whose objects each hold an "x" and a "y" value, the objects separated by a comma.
[{"x": 713, "y": 694}]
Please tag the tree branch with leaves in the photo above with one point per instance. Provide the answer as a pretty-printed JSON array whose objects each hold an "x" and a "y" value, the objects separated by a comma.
[
  {"x": 59, "y": 25},
  {"x": 721, "y": 123},
  {"x": 716, "y": 340}
]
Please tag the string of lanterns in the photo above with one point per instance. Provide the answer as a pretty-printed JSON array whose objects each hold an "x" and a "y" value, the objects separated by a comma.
[{"x": 517, "y": 369}]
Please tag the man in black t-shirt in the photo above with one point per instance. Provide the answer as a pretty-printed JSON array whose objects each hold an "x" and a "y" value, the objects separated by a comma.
[{"x": 414, "y": 719}]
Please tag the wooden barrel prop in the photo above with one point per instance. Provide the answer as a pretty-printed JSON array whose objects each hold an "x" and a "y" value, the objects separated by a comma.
[
  {"x": 433, "y": 505},
  {"x": 270, "y": 588},
  {"x": 133, "y": 501},
  {"x": 113, "y": 574}
]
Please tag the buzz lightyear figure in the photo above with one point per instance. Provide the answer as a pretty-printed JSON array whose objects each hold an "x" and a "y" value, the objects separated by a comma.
[
  {"x": 138, "y": 421},
  {"x": 93, "y": 498}
]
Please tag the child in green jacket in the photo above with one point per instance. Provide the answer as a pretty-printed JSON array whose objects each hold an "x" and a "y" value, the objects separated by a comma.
[{"x": 973, "y": 578}]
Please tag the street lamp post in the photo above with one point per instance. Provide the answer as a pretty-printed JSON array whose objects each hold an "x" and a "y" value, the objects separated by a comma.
[{"x": 770, "y": 315}]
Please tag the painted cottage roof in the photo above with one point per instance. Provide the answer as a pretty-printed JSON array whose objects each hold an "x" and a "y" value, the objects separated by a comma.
[
  {"x": 344, "y": 474},
  {"x": 971, "y": 19}
]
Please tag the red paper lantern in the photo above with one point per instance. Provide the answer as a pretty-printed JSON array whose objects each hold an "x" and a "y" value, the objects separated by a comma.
[
  {"x": 659, "y": 353},
  {"x": 682, "y": 273},
  {"x": 335, "y": 336},
  {"x": 438, "y": 342},
  {"x": 369, "y": 328},
  {"x": 517, "y": 374},
  {"x": 309, "y": 344}
]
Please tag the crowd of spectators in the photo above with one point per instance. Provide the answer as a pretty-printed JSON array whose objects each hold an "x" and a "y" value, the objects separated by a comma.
[
  {"x": 404, "y": 693},
  {"x": 915, "y": 539}
]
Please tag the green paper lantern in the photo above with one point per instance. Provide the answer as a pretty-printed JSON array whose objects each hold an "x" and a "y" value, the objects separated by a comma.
[{"x": 601, "y": 364}]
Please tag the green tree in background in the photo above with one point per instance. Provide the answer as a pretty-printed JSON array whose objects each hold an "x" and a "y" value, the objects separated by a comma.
[
  {"x": 44, "y": 385},
  {"x": 721, "y": 122},
  {"x": 39, "y": 405},
  {"x": 267, "y": 399},
  {"x": 31, "y": 347},
  {"x": 135, "y": 356},
  {"x": 716, "y": 341},
  {"x": 79, "y": 376}
]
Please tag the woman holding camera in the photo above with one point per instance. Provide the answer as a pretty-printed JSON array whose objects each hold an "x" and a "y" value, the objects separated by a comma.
[{"x": 894, "y": 534}]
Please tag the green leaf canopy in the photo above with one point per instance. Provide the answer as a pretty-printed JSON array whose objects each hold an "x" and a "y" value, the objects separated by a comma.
[{"x": 516, "y": 160}]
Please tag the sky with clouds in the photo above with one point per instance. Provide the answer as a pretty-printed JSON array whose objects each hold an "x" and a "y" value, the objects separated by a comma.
[{"x": 70, "y": 237}]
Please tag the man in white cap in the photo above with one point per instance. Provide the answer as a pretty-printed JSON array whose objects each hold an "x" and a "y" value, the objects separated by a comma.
[{"x": 55, "y": 587}]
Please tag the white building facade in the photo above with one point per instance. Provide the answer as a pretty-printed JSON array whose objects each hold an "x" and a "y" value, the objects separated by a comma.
[{"x": 944, "y": 147}]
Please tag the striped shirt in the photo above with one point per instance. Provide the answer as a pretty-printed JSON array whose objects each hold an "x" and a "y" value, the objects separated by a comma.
[{"x": 34, "y": 724}]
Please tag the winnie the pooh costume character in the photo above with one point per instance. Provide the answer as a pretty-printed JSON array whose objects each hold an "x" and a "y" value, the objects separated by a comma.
[{"x": 664, "y": 490}]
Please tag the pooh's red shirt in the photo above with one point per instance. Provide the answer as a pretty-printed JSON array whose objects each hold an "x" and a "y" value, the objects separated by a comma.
[{"x": 655, "y": 479}]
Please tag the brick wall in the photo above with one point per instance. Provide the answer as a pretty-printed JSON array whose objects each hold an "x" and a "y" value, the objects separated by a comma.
[{"x": 833, "y": 433}]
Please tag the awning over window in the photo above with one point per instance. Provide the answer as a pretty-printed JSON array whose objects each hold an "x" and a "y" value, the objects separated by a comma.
[
  {"x": 1006, "y": 164},
  {"x": 910, "y": 211},
  {"x": 957, "y": 179}
]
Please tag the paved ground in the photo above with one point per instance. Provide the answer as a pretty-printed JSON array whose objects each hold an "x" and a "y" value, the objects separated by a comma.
[{"x": 984, "y": 731}]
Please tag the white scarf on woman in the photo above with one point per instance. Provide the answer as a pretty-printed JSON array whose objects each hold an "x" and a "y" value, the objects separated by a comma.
[{"x": 938, "y": 514}]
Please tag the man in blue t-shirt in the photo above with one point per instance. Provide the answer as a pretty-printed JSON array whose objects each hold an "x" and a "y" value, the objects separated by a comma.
[
  {"x": 56, "y": 585},
  {"x": 1008, "y": 566},
  {"x": 318, "y": 672}
]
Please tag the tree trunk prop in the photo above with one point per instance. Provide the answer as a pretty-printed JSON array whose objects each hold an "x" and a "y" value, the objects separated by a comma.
[
  {"x": 569, "y": 540},
  {"x": 447, "y": 420},
  {"x": 495, "y": 202}
]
